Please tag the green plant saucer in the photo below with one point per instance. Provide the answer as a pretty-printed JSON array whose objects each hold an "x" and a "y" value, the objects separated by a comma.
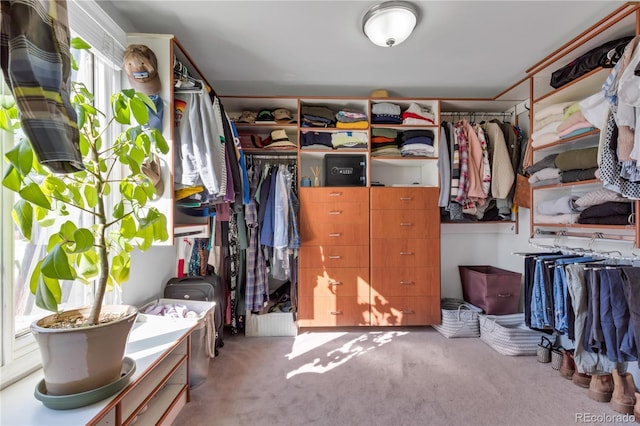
[{"x": 76, "y": 400}]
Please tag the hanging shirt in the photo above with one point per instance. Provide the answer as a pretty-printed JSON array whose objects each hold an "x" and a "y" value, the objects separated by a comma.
[{"x": 35, "y": 60}]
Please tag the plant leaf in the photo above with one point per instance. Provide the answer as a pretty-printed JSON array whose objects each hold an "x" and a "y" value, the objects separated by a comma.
[
  {"x": 43, "y": 218},
  {"x": 78, "y": 43},
  {"x": 91, "y": 195},
  {"x": 67, "y": 230},
  {"x": 140, "y": 196},
  {"x": 88, "y": 264},
  {"x": 129, "y": 93},
  {"x": 12, "y": 179},
  {"x": 120, "y": 109},
  {"x": 82, "y": 115},
  {"x": 84, "y": 145},
  {"x": 4, "y": 121},
  {"x": 160, "y": 141},
  {"x": 120, "y": 267},
  {"x": 22, "y": 215},
  {"x": 21, "y": 157},
  {"x": 160, "y": 229},
  {"x": 84, "y": 240},
  {"x": 147, "y": 100},
  {"x": 128, "y": 227},
  {"x": 34, "y": 194},
  {"x": 139, "y": 110},
  {"x": 56, "y": 265},
  {"x": 118, "y": 210}
]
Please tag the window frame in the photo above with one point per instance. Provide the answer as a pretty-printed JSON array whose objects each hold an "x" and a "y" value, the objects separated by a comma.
[{"x": 19, "y": 354}]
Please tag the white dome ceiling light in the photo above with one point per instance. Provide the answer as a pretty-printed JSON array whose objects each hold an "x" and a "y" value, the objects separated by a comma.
[{"x": 390, "y": 23}]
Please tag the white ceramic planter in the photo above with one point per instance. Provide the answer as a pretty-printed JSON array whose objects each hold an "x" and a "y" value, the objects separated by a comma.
[{"x": 80, "y": 359}]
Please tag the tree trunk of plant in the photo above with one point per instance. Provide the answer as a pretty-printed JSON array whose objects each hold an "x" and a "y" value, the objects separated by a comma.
[{"x": 103, "y": 275}]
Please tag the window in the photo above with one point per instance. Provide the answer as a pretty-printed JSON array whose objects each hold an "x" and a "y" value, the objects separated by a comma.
[{"x": 98, "y": 71}]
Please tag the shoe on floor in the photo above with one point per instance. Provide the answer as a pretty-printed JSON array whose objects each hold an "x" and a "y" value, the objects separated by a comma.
[
  {"x": 624, "y": 389},
  {"x": 601, "y": 387},
  {"x": 568, "y": 366},
  {"x": 581, "y": 379}
]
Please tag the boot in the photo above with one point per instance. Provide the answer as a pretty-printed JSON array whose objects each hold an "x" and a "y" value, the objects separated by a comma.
[
  {"x": 581, "y": 379},
  {"x": 568, "y": 366},
  {"x": 624, "y": 389},
  {"x": 601, "y": 387}
]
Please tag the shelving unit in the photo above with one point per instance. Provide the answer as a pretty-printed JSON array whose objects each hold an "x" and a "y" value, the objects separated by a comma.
[{"x": 621, "y": 23}]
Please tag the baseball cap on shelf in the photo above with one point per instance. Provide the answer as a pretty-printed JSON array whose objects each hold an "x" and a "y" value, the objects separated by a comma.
[
  {"x": 247, "y": 117},
  {"x": 265, "y": 115},
  {"x": 282, "y": 116},
  {"x": 142, "y": 69},
  {"x": 279, "y": 139}
]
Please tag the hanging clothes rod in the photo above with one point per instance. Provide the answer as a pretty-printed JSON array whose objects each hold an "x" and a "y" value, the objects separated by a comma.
[
  {"x": 490, "y": 114},
  {"x": 593, "y": 235},
  {"x": 273, "y": 157}
]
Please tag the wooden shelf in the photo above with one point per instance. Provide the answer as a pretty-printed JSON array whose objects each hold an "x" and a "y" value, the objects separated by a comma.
[{"x": 564, "y": 142}]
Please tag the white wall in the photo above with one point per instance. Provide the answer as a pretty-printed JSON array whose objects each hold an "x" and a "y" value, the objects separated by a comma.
[
  {"x": 481, "y": 244},
  {"x": 150, "y": 271}
]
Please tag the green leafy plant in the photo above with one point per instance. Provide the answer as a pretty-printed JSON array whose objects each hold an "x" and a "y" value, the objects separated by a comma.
[{"x": 102, "y": 251}]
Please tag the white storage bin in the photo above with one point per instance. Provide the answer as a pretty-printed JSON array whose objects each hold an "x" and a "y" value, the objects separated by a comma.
[
  {"x": 271, "y": 324},
  {"x": 509, "y": 335},
  {"x": 203, "y": 337}
]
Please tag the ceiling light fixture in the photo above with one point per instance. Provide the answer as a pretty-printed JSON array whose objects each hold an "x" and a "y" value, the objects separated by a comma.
[{"x": 390, "y": 23}]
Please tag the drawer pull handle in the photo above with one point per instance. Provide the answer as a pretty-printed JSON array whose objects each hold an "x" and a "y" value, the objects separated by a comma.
[
  {"x": 336, "y": 312},
  {"x": 504, "y": 294},
  {"x": 406, "y": 253},
  {"x": 335, "y": 234},
  {"x": 335, "y": 194},
  {"x": 407, "y": 282},
  {"x": 335, "y": 257},
  {"x": 406, "y": 224},
  {"x": 408, "y": 311},
  {"x": 406, "y": 198},
  {"x": 335, "y": 282},
  {"x": 335, "y": 212}
]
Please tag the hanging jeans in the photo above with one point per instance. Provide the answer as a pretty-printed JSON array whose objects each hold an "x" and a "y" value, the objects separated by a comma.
[
  {"x": 586, "y": 362},
  {"x": 560, "y": 293},
  {"x": 614, "y": 313},
  {"x": 630, "y": 279},
  {"x": 541, "y": 316}
]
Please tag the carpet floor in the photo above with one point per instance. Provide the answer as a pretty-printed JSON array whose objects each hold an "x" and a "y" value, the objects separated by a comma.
[{"x": 399, "y": 376}]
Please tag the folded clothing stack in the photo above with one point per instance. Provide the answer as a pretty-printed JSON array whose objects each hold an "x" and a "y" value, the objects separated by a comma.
[
  {"x": 315, "y": 140},
  {"x": 317, "y": 116},
  {"x": 349, "y": 140},
  {"x": 386, "y": 113},
  {"x": 417, "y": 143},
  {"x": 351, "y": 120},
  {"x": 384, "y": 142},
  {"x": 418, "y": 114}
]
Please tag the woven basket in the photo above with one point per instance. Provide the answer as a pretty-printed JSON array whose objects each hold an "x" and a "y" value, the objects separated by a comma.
[
  {"x": 508, "y": 334},
  {"x": 459, "y": 319}
]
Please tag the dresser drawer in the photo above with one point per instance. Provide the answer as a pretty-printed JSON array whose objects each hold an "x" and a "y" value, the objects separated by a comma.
[
  {"x": 389, "y": 281},
  {"x": 333, "y": 195},
  {"x": 394, "y": 311},
  {"x": 333, "y": 282},
  {"x": 315, "y": 234},
  {"x": 333, "y": 311},
  {"x": 407, "y": 253},
  {"x": 334, "y": 257},
  {"x": 405, "y": 224},
  {"x": 419, "y": 198},
  {"x": 337, "y": 212}
]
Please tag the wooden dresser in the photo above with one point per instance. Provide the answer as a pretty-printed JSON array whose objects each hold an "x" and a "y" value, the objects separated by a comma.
[
  {"x": 334, "y": 257},
  {"x": 405, "y": 256}
]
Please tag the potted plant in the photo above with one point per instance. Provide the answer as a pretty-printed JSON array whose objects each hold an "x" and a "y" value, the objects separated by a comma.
[{"x": 100, "y": 252}]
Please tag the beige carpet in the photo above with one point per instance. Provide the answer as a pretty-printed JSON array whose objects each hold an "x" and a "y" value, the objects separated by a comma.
[{"x": 388, "y": 376}]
